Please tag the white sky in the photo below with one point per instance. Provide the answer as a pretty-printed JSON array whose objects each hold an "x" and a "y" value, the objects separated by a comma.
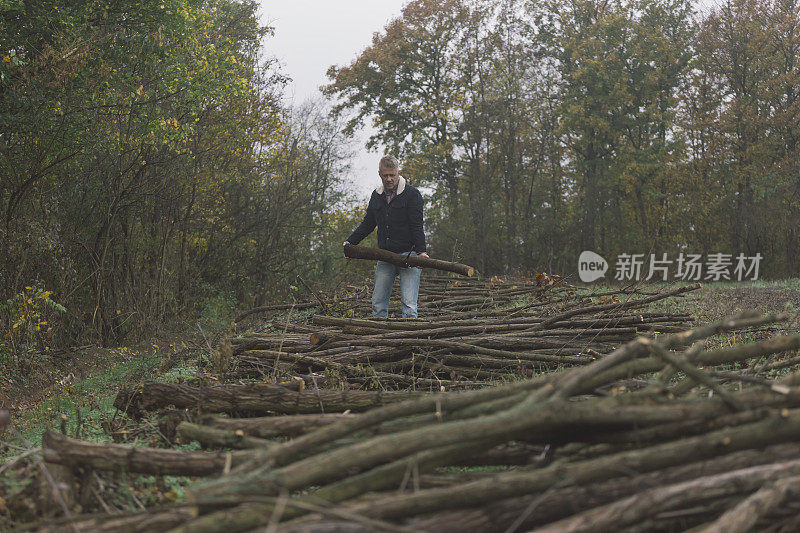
[{"x": 312, "y": 35}]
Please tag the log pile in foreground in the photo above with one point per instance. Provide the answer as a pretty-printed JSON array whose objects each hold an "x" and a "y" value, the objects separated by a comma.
[
  {"x": 710, "y": 450},
  {"x": 661, "y": 433}
]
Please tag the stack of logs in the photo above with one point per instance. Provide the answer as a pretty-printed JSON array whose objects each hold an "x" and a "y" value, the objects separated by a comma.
[
  {"x": 473, "y": 333},
  {"x": 662, "y": 432}
]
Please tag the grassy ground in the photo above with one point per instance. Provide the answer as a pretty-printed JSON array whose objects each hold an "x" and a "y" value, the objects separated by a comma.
[
  {"x": 77, "y": 386},
  {"x": 83, "y": 408}
]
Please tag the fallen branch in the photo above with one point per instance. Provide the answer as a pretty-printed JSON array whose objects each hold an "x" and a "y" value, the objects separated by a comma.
[
  {"x": 255, "y": 398},
  {"x": 58, "y": 449}
]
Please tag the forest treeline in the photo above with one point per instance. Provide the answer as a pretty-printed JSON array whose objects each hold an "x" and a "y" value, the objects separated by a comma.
[
  {"x": 150, "y": 162},
  {"x": 545, "y": 128},
  {"x": 150, "y": 165}
]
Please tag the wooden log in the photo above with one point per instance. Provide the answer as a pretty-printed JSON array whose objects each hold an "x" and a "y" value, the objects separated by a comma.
[
  {"x": 266, "y": 344},
  {"x": 775, "y": 429},
  {"x": 458, "y": 302},
  {"x": 398, "y": 324},
  {"x": 254, "y": 397},
  {"x": 343, "y": 354},
  {"x": 321, "y": 337},
  {"x": 221, "y": 438},
  {"x": 139, "y": 522},
  {"x": 272, "y": 426},
  {"x": 588, "y": 382},
  {"x": 562, "y": 502},
  {"x": 375, "y": 326},
  {"x": 706, "y": 358},
  {"x": 278, "y": 307},
  {"x": 248, "y": 517},
  {"x": 62, "y": 450},
  {"x": 403, "y": 506},
  {"x": 362, "y": 252},
  {"x": 328, "y": 466},
  {"x": 511, "y": 424},
  {"x": 744, "y": 516},
  {"x": 633, "y": 509},
  {"x": 368, "y": 376},
  {"x": 361, "y": 330},
  {"x": 278, "y": 338},
  {"x": 327, "y": 526},
  {"x": 473, "y": 348}
]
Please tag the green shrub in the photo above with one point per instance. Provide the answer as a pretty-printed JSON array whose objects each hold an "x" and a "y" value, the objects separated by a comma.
[{"x": 26, "y": 329}]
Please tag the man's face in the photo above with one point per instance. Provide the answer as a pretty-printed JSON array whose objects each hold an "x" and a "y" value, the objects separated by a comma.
[{"x": 389, "y": 177}]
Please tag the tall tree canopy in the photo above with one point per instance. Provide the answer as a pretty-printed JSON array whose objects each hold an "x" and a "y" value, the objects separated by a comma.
[
  {"x": 540, "y": 129},
  {"x": 148, "y": 163}
]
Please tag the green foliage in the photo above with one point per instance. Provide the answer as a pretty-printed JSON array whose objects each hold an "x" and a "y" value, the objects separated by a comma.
[
  {"x": 149, "y": 164},
  {"x": 25, "y": 325},
  {"x": 216, "y": 310},
  {"x": 742, "y": 117}
]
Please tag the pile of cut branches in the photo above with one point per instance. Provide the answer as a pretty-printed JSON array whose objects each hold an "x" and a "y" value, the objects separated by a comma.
[
  {"x": 578, "y": 449},
  {"x": 509, "y": 405},
  {"x": 473, "y": 333}
]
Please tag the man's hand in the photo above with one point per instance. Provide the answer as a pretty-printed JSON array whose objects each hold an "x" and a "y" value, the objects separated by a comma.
[{"x": 423, "y": 254}]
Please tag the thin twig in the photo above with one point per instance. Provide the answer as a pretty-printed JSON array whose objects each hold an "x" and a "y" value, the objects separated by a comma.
[
  {"x": 314, "y": 294},
  {"x": 283, "y": 337},
  {"x": 18, "y": 458},
  {"x": 277, "y": 512},
  {"x": 56, "y": 490},
  {"x": 696, "y": 374},
  {"x": 316, "y": 388}
]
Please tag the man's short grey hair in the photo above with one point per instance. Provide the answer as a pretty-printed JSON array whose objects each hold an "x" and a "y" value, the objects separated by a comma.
[{"x": 389, "y": 161}]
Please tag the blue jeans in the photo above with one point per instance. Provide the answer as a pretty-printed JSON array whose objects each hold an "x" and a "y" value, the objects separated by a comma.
[{"x": 409, "y": 288}]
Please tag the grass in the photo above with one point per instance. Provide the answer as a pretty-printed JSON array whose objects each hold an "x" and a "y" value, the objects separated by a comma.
[
  {"x": 86, "y": 402},
  {"x": 84, "y": 409},
  {"x": 84, "y": 406},
  {"x": 717, "y": 300}
]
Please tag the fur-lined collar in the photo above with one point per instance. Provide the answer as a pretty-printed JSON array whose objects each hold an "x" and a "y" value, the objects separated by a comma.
[{"x": 401, "y": 186}]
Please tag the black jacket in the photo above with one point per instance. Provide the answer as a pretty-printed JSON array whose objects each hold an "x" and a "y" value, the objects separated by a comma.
[{"x": 399, "y": 223}]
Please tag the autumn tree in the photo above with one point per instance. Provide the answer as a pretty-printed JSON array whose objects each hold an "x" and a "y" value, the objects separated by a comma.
[{"x": 148, "y": 163}]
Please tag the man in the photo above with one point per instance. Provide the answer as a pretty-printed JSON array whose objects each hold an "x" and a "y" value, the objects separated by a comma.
[{"x": 396, "y": 209}]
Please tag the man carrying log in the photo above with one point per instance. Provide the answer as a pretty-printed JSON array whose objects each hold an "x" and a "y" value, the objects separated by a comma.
[{"x": 395, "y": 208}]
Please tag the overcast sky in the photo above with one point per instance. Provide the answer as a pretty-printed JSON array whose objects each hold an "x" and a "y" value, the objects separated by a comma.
[{"x": 312, "y": 35}]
